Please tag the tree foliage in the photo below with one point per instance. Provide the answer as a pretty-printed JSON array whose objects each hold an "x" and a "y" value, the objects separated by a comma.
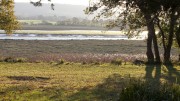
[
  {"x": 39, "y": 3},
  {"x": 132, "y": 15},
  {"x": 8, "y": 21}
]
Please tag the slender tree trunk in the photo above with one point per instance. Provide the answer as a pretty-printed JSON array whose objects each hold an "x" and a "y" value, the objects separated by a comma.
[
  {"x": 151, "y": 30},
  {"x": 179, "y": 57},
  {"x": 156, "y": 48},
  {"x": 178, "y": 40},
  {"x": 149, "y": 53},
  {"x": 167, "y": 51},
  {"x": 167, "y": 55}
]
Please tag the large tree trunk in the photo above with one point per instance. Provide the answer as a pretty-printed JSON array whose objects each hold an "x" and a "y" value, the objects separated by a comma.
[
  {"x": 151, "y": 30},
  {"x": 149, "y": 53}
]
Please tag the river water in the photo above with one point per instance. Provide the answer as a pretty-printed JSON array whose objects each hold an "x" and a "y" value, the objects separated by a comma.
[{"x": 64, "y": 37}]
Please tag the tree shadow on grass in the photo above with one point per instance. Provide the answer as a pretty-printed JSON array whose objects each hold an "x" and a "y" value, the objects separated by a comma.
[
  {"x": 171, "y": 74},
  {"x": 109, "y": 90},
  {"x": 112, "y": 86},
  {"x": 149, "y": 72},
  {"x": 28, "y": 78}
]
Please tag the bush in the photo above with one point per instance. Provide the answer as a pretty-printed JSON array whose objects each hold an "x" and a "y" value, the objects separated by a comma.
[
  {"x": 143, "y": 91},
  {"x": 116, "y": 62},
  {"x": 138, "y": 62},
  {"x": 84, "y": 63},
  {"x": 61, "y": 61},
  {"x": 21, "y": 60},
  {"x": 14, "y": 60},
  {"x": 9, "y": 59},
  {"x": 1, "y": 59}
]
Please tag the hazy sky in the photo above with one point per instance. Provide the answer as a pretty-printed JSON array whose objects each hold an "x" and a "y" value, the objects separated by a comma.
[{"x": 73, "y": 2}]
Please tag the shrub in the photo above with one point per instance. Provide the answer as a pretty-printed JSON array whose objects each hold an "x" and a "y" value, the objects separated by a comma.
[
  {"x": 146, "y": 91},
  {"x": 96, "y": 63},
  {"x": 84, "y": 63},
  {"x": 138, "y": 62},
  {"x": 21, "y": 60},
  {"x": 38, "y": 61},
  {"x": 10, "y": 60},
  {"x": 1, "y": 59},
  {"x": 116, "y": 62},
  {"x": 61, "y": 61},
  {"x": 14, "y": 60}
]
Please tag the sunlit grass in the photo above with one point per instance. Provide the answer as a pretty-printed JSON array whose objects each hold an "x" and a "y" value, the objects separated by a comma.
[
  {"x": 68, "y": 81},
  {"x": 72, "y": 75}
]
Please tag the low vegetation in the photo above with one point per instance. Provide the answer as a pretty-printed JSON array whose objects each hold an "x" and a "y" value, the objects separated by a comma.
[
  {"x": 76, "y": 51},
  {"x": 139, "y": 90}
]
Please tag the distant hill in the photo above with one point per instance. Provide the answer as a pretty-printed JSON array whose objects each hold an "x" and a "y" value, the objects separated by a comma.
[{"x": 27, "y": 9}]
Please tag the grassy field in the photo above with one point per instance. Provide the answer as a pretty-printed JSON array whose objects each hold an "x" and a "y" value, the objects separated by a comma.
[
  {"x": 77, "y": 70},
  {"x": 74, "y": 81},
  {"x": 90, "y": 50}
]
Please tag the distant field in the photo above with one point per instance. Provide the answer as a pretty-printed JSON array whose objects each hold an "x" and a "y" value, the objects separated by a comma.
[
  {"x": 30, "y": 21},
  {"x": 90, "y": 32},
  {"x": 37, "y": 25},
  {"x": 50, "y": 29},
  {"x": 34, "y": 22},
  {"x": 72, "y": 50},
  {"x": 68, "y": 27}
]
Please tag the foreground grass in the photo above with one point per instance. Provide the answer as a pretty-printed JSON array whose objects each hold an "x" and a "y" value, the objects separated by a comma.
[{"x": 73, "y": 81}]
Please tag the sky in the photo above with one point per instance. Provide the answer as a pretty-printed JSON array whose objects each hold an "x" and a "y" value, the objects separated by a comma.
[{"x": 72, "y": 2}]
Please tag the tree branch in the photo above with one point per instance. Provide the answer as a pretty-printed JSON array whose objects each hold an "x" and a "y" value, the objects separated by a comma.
[
  {"x": 178, "y": 36},
  {"x": 162, "y": 33},
  {"x": 39, "y": 3}
]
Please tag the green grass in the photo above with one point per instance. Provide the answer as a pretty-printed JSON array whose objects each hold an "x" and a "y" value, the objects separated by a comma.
[{"x": 73, "y": 81}]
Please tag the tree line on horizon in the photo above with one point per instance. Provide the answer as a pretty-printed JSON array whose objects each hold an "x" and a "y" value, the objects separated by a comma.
[{"x": 62, "y": 21}]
